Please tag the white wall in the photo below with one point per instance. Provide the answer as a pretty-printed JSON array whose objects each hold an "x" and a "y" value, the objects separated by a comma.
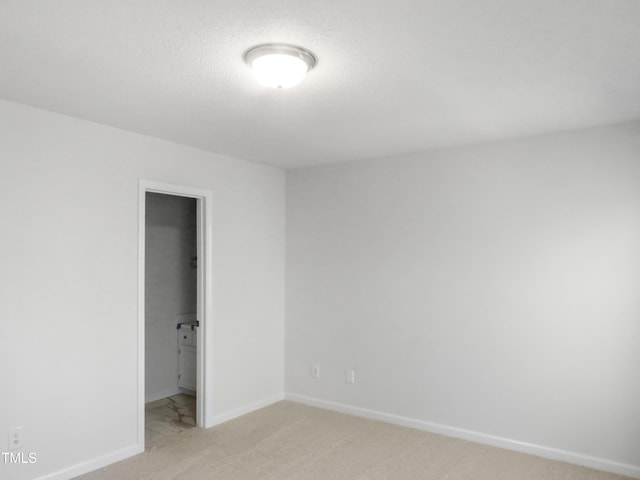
[
  {"x": 170, "y": 286},
  {"x": 491, "y": 288},
  {"x": 68, "y": 278}
]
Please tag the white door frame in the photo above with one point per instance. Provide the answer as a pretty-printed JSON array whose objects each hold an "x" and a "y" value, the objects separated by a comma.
[{"x": 203, "y": 205}]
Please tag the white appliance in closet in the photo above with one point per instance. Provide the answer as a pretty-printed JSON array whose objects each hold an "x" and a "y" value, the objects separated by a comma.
[{"x": 187, "y": 351}]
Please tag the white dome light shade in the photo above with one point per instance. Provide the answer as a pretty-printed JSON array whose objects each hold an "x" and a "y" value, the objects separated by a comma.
[
  {"x": 277, "y": 70},
  {"x": 279, "y": 66}
]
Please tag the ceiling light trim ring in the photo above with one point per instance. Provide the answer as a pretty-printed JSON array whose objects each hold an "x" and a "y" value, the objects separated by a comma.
[{"x": 280, "y": 48}]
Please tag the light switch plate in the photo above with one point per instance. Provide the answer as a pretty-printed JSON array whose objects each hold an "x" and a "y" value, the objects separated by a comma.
[{"x": 350, "y": 376}]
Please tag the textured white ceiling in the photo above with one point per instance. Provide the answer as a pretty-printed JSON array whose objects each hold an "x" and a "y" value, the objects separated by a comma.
[{"x": 393, "y": 76}]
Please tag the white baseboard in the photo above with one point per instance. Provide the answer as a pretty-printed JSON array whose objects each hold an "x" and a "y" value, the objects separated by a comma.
[
  {"x": 94, "y": 464},
  {"x": 238, "y": 412},
  {"x": 478, "y": 437}
]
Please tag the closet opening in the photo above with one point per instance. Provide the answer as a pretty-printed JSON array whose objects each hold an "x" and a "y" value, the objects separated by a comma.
[{"x": 173, "y": 270}]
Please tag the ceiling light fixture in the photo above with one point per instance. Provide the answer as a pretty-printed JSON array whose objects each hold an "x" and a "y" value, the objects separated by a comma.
[{"x": 279, "y": 65}]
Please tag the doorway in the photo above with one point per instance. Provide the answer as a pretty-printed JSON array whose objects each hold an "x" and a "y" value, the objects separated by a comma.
[
  {"x": 171, "y": 323},
  {"x": 173, "y": 299}
]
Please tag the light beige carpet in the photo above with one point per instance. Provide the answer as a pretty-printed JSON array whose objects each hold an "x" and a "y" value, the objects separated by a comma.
[{"x": 289, "y": 441}]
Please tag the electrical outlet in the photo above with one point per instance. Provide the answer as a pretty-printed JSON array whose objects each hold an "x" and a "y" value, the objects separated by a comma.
[
  {"x": 15, "y": 438},
  {"x": 350, "y": 376},
  {"x": 315, "y": 370}
]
